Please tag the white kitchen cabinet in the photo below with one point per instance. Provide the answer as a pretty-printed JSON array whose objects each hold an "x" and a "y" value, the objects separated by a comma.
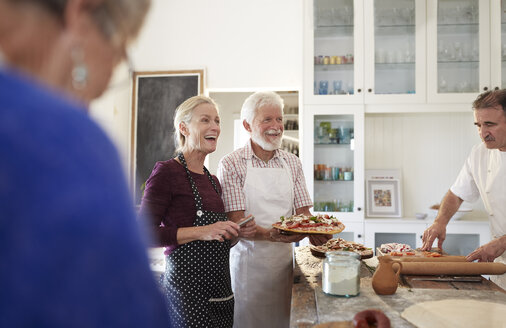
[
  {"x": 334, "y": 153},
  {"x": 458, "y": 50},
  {"x": 463, "y": 237},
  {"x": 358, "y": 51},
  {"x": 353, "y": 231},
  {"x": 498, "y": 44},
  {"x": 382, "y": 231},
  {"x": 394, "y": 33},
  {"x": 333, "y": 51}
]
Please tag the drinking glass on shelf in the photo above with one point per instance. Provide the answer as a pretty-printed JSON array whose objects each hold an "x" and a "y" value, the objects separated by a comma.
[
  {"x": 408, "y": 15},
  {"x": 380, "y": 56},
  {"x": 457, "y": 46},
  {"x": 337, "y": 84}
]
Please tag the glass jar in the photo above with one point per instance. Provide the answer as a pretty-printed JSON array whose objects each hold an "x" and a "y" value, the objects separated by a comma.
[{"x": 341, "y": 274}]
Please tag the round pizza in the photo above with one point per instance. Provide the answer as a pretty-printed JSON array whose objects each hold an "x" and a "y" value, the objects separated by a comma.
[
  {"x": 339, "y": 244},
  {"x": 316, "y": 224}
]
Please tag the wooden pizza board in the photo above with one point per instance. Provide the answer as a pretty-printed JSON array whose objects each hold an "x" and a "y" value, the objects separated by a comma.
[
  {"x": 419, "y": 257},
  {"x": 319, "y": 253}
]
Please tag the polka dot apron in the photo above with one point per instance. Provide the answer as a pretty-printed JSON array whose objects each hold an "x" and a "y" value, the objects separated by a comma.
[{"x": 197, "y": 275}]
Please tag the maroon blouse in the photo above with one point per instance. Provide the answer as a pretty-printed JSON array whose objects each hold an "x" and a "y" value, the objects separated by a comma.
[{"x": 168, "y": 202}]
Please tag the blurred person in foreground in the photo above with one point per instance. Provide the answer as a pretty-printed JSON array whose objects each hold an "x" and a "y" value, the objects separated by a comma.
[
  {"x": 183, "y": 201},
  {"x": 483, "y": 174},
  {"x": 72, "y": 254},
  {"x": 264, "y": 181}
]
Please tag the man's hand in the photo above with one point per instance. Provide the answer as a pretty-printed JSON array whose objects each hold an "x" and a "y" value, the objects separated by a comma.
[
  {"x": 489, "y": 251},
  {"x": 436, "y": 230},
  {"x": 275, "y": 235},
  {"x": 318, "y": 240},
  {"x": 249, "y": 229}
]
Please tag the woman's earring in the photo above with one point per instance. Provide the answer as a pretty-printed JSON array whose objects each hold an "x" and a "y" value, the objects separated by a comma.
[{"x": 80, "y": 70}]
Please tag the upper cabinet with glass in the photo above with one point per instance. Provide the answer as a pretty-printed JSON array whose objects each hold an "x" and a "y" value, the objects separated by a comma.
[
  {"x": 394, "y": 51},
  {"x": 334, "y": 53},
  {"x": 360, "y": 51},
  {"x": 498, "y": 44},
  {"x": 459, "y": 51}
]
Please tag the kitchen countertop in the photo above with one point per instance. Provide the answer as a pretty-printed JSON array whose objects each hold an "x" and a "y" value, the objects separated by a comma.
[{"x": 310, "y": 305}]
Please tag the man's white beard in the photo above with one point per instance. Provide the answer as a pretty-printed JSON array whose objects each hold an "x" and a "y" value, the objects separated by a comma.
[{"x": 268, "y": 146}]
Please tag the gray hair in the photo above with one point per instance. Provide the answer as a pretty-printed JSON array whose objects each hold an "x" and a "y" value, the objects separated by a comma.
[
  {"x": 117, "y": 19},
  {"x": 184, "y": 114},
  {"x": 258, "y": 100}
]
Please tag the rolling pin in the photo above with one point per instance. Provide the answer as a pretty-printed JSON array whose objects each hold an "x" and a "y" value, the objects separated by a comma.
[
  {"x": 449, "y": 258},
  {"x": 452, "y": 268}
]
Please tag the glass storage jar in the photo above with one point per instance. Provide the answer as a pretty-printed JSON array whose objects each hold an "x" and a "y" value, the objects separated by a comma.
[{"x": 341, "y": 274}]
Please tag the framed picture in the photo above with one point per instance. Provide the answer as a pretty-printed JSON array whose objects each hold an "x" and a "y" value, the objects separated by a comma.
[
  {"x": 156, "y": 95},
  {"x": 383, "y": 192}
]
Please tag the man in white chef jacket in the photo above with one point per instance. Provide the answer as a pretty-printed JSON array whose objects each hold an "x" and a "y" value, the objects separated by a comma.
[
  {"x": 262, "y": 180},
  {"x": 483, "y": 174}
]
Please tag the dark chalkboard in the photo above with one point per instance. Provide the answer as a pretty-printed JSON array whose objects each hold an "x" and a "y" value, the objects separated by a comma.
[{"x": 155, "y": 98}]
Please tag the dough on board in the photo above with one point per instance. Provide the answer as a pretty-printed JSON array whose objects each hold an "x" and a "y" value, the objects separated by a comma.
[{"x": 456, "y": 313}]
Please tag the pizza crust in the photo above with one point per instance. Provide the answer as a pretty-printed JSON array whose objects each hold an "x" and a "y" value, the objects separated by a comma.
[
  {"x": 456, "y": 313},
  {"x": 333, "y": 245}
]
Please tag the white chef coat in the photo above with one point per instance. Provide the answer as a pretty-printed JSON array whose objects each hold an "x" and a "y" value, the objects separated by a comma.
[
  {"x": 484, "y": 174},
  {"x": 262, "y": 271}
]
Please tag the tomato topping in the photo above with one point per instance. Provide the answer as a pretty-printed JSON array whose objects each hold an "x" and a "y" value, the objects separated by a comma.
[{"x": 410, "y": 253}]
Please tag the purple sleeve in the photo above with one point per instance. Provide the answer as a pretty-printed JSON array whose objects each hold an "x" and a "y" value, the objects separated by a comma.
[{"x": 155, "y": 203}]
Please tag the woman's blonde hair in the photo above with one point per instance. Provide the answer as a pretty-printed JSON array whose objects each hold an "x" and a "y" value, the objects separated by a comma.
[{"x": 184, "y": 114}]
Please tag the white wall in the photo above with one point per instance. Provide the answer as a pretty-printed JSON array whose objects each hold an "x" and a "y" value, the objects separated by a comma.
[
  {"x": 241, "y": 44},
  {"x": 429, "y": 148}
]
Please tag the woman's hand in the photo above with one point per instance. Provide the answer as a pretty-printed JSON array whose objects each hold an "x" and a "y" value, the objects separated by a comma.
[{"x": 220, "y": 231}]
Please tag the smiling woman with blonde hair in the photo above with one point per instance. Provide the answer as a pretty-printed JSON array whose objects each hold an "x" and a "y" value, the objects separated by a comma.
[
  {"x": 69, "y": 240},
  {"x": 183, "y": 202}
]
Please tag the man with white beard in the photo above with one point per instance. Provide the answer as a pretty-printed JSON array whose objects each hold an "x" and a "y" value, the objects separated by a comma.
[{"x": 262, "y": 180}]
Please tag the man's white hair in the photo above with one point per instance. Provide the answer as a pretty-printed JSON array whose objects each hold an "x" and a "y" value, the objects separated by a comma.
[{"x": 258, "y": 100}]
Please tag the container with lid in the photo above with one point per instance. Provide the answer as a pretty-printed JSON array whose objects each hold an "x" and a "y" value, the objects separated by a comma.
[{"x": 341, "y": 274}]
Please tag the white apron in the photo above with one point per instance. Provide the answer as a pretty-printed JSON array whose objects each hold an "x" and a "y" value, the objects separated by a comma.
[
  {"x": 494, "y": 199},
  {"x": 262, "y": 271}
]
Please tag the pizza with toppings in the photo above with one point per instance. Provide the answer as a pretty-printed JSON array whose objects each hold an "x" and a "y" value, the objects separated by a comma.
[
  {"x": 339, "y": 244},
  {"x": 316, "y": 224},
  {"x": 396, "y": 249}
]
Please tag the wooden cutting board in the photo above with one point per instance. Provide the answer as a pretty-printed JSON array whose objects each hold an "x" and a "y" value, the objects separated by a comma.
[
  {"x": 452, "y": 268},
  {"x": 419, "y": 257}
]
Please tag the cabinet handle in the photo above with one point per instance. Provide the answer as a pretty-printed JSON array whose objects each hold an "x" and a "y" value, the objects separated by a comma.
[
  {"x": 496, "y": 88},
  {"x": 359, "y": 208},
  {"x": 359, "y": 236},
  {"x": 485, "y": 88},
  {"x": 369, "y": 90},
  {"x": 359, "y": 90}
]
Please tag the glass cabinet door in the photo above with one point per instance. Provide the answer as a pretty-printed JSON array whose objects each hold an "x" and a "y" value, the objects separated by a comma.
[
  {"x": 334, "y": 166},
  {"x": 458, "y": 46},
  {"x": 459, "y": 51},
  {"x": 333, "y": 38},
  {"x": 394, "y": 47}
]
